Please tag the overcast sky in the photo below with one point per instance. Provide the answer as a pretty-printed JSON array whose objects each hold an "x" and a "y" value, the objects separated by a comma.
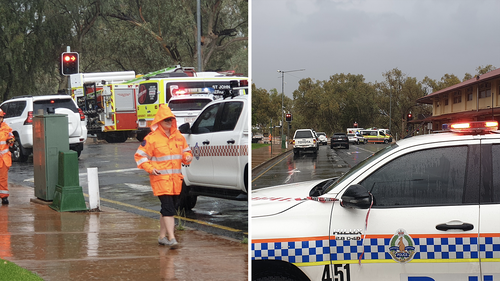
[{"x": 370, "y": 37}]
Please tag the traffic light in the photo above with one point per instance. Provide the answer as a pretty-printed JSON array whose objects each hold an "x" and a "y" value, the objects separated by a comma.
[
  {"x": 69, "y": 63},
  {"x": 409, "y": 117},
  {"x": 288, "y": 117}
]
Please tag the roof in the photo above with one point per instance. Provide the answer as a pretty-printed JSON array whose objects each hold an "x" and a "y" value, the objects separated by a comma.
[{"x": 481, "y": 78}]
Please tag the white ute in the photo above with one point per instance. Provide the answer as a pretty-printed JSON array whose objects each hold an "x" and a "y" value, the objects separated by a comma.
[{"x": 219, "y": 142}]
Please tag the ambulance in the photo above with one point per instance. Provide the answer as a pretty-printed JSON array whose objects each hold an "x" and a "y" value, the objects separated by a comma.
[
  {"x": 423, "y": 208},
  {"x": 375, "y": 135},
  {"x": 159, "y": 89}
]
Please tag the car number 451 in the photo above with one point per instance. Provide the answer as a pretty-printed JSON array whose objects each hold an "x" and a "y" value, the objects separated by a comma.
[{"x": 341, "y": 272}]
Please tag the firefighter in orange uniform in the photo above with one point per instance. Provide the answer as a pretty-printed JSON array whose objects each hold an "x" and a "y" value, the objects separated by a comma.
[
  {"x": 161, "y": 154},
  {"x": 6, "y": 140}
]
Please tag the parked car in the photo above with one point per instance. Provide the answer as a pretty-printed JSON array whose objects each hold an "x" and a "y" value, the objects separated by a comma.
[
  {"x": 356, "y": 139},
  {"x": 323, "y": 140},
  {"x": 304, "y": 140},
  {"x": 339, "y": 140},
  {"x": 19, "y": 112}
]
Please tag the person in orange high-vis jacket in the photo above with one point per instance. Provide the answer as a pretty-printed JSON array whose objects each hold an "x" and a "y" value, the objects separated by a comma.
[
  {"x": 161, "y": 154},
  {"x": 6, "y": 139}
]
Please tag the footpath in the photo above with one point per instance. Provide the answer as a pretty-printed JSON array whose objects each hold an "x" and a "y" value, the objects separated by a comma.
[
  {"x": 263, "y": 155},
  {"x": 109, "y": 245}
]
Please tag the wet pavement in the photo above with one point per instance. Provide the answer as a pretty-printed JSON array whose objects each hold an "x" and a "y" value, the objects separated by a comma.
[
  {"x": 263, "y": 155},
  {"x": 109, "y": 245}
]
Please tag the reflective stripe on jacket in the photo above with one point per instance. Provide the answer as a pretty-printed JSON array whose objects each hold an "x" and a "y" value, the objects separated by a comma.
[
  {"x": 165, "y": 154},
  {"x": 5, "y": 135}
]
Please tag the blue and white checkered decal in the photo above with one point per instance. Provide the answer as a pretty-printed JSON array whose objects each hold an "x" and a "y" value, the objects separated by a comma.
[{"x": 436, "y": 249}]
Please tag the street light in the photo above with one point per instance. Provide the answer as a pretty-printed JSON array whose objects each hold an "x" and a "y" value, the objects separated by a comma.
[{"x": 282, "y": 98}]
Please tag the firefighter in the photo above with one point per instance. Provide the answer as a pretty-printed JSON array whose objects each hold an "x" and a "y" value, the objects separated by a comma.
[
  {"x": 6, "y": 140},
  {"x": 161, "y": 154}
]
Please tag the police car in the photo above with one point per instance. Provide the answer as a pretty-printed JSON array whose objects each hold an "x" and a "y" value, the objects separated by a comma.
[
  {"x": 218, "y": 139},
  {"x": 424, "y": 208}
]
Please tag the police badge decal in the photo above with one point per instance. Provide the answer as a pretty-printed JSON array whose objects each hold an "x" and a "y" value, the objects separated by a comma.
[{"x": 401, "y": 247}]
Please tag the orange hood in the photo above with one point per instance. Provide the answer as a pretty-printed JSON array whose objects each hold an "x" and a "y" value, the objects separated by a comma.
[{"x": 163, "y": 113}]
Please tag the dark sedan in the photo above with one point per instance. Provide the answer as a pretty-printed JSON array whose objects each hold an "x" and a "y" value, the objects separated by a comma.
[{"x": 339, "y": 140}]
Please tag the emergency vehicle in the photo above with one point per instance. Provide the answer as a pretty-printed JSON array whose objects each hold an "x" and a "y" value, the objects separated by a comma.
[
  {"x": 376, "y": 135},
  {"x": 424, "y": 208},
  {"x": 186, "y": 107},
  {"x": 159, "y": 89},
  {"x": 218, "y": 139},
  {"x": 108, "y": 101}
]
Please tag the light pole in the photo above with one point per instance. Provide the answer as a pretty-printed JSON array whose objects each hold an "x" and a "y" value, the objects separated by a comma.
[{"x": 282, "y": 98}]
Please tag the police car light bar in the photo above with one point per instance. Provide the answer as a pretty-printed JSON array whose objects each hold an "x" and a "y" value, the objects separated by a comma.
[{"x": 475, "y": 127}]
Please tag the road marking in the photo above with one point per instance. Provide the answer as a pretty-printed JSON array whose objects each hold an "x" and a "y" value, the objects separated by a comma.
[
  {"x": 99, "y": 172},
  {"x": 177, "y": 217},
  {"x": 269, "y": 169},
  {"x": 139, "y": 187}
]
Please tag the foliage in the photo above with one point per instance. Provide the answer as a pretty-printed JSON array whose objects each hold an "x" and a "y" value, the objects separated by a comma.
[
  {"x": 12, "y": 272},
  {"x": 266, "y": 108},
  {"x": 117, "y": 35}
]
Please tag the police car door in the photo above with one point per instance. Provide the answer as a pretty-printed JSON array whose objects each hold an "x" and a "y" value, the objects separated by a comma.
[
  {"x": 228, "y": 143},
  {"x": 423, "y": 224},
  {"x": 490, "y": 209},
  {"x": 200, "y": 140}
]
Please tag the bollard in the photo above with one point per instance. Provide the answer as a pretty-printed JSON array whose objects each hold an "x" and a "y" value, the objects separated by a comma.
[{"x": 93, "y": 180}]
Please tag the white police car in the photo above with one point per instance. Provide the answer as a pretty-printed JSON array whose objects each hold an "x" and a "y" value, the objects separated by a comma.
[{"x": 425, "y": 208}]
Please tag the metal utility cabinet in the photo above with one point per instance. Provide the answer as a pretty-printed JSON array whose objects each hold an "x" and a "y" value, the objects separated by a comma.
[{"x": 50, "y": 135}]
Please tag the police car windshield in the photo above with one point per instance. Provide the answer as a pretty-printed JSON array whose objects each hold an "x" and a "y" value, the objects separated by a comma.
[
  {"x": 374, "y": 157},
  {"x": 188, "y": 104}
]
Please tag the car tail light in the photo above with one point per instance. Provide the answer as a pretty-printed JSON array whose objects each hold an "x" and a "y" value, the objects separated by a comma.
[
  {"x": 82, "y": 116},
  {"x": 29, "y": 119}
]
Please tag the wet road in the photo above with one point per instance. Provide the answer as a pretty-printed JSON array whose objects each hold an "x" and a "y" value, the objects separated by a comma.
[
  {"x": 123, "y": 186},
  {"x": 327, "y": 163}
]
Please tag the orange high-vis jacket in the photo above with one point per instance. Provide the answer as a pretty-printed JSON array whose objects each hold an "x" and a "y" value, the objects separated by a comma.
[
  {"x": 5, "y": 136},
  {"x": 165, "y": 154}
]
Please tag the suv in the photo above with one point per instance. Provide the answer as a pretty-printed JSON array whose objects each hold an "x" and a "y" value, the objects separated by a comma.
[
  {"x": 304, "y": 140},
  {"x": 219, "y": 142},
  {"x": 19, "y": 112},
  {"x": 322, "y": 138},
  {"x": 339, "y": 139},
  {"x": 424, "y": 208}
]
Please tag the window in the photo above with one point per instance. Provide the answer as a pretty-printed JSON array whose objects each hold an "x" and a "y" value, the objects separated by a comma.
[
  {"x": 206, "y": 121},
  {"x": 445, "y": 99},
  {"x": 188, "y": 104},
  {"x": 427, "y": 177},
  {"x": 230, "y": 115},
  {"x": 14, "y": 109},
  {"x": 457, "y": 97},
  {"x": 484, "y": 90},
  {"x": 468, "y": 91},
  {"x": 148, "y": 93},
  {"x": 495, "y": 192}
]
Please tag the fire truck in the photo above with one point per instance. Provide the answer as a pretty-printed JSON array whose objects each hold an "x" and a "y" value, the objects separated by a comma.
[
  {"x": 160, "y": 88},
  {"x": 108, "y": 101}
]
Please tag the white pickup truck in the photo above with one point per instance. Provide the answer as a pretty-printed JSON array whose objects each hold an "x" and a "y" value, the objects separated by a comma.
[{"x": 219, "y": 142}]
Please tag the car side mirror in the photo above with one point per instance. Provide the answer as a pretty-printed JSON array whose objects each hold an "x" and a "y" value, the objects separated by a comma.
[
  {"x": 356, "y": 197},
  {"x": 185, "y": 128}
]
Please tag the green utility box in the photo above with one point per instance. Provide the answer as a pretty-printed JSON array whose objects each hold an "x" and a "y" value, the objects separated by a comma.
[
  {"x": 50, "y": 135},
  {"x": 68, "y": 194}
]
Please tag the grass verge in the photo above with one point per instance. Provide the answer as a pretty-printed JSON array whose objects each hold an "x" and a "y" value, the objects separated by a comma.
[
  {"x": 259, "y": 145},
  {"x": 12, "y": 272}
]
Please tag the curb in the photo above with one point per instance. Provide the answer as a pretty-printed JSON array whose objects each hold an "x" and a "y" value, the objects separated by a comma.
[{"x": 270, "y": 160}]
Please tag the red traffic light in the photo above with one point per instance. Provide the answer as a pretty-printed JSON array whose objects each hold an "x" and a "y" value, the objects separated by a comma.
[
  {"x": 69, "y": 63},
  {"x": 288, "y": 117}
]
